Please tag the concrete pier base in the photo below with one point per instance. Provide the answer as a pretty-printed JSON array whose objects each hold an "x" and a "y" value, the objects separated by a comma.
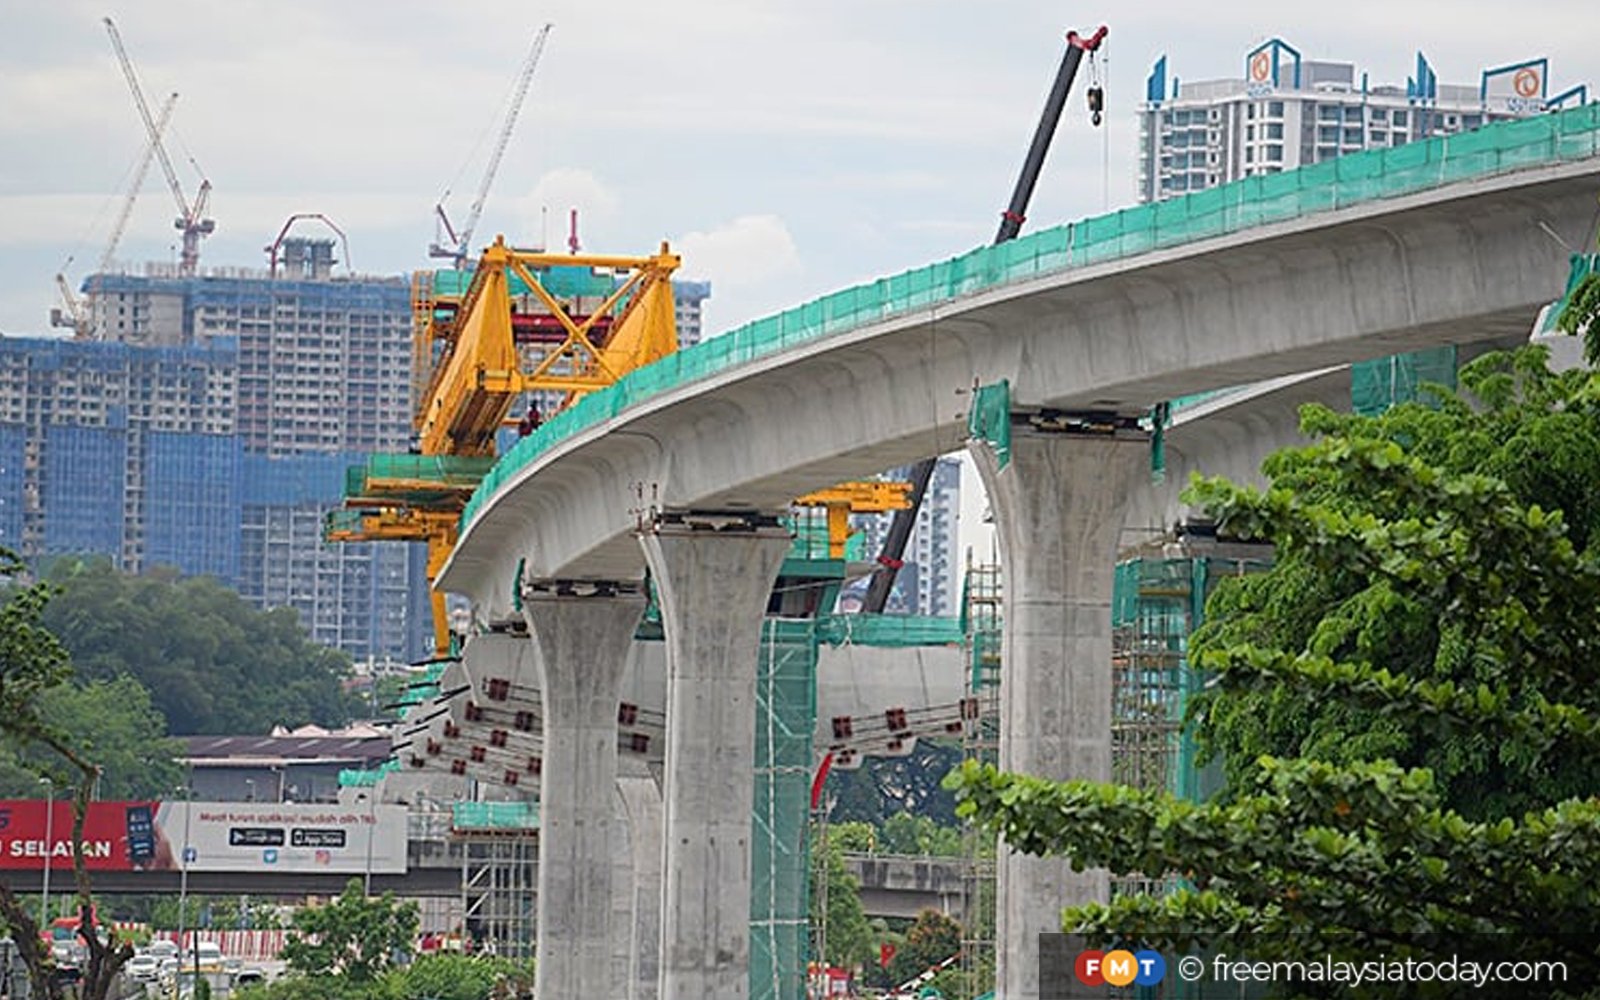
[
  {"x": 641, "y": 801},
  {"x": 580, "y": 640},
  {"x": 1058, "y": 508},
  {"x": 713, "y": 575}
]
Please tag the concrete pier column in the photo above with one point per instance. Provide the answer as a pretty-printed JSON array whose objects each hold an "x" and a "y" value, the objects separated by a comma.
[
  {"x": 641, "y": 800},
  {"x": 713, "y": 574},
  {"x": 1058, "y": 508},
  {"x": 580, "y": 638}
]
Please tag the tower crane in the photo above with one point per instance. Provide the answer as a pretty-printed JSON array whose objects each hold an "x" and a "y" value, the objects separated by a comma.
[
  {"x": 121, "y": 224},
  {"x": 191, "y": 220},
  {"x": 79, "y": 313},
  {"x": 461, "y": 241},
  {"x": 76, "y": 313}
]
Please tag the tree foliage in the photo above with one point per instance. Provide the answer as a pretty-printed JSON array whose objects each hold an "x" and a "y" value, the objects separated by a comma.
[
  {"x": 212, "y": 663},
  {"x": 1407, "y": 703},
  {"x": 353, "y": 937},
  {"x": 850, "y": 937},
  {"x": 430, "y": 977},
  {"x": 33, "y": 666},
  {"x": 903, "y": 833},
  {"x": 116, "y": 725},
  {"x": 931, "y": 939}
]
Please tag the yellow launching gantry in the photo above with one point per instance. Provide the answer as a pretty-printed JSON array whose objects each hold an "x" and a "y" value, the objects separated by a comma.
[
  {"x": 526, "y": 322},
  {"x": 479, "y": 369}
]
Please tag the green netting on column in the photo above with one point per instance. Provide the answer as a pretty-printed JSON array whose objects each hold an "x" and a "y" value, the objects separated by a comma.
[
  {"x": 1377, "y": 385},
  {"x": 990, "y": 418},
  {"x": 1583, "y": 266},
  {"x": 779, "y": 858}
]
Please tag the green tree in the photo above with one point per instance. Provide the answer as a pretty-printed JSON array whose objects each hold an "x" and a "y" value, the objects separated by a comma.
[
  {"x": 33, "y": 666},
  {"x": 903, "y": 833},
  {"x": 116, "y": 725},
  {"x": 352, "y": 937},
  {"x": 1424, "y": 667},
  {"x": 850, "y": 938},
  {"x": 460, "y": 977},
  {"x": 929, "y": 941},
  {"x": 212, "y": 663}
]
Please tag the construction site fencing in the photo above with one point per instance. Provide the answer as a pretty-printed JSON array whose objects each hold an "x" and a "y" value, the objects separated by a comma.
[
  {"x": 1349, "y": 180},
  {"x": 511, "y": 817}
]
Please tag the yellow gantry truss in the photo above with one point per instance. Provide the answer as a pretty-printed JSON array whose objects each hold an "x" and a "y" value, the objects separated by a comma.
[
  {"x": 865, "y": 497},
  {"x": 479, "y": 371}
]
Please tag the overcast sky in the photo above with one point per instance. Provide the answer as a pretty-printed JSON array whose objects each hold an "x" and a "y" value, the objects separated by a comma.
[{"x": 786, "y": 149}]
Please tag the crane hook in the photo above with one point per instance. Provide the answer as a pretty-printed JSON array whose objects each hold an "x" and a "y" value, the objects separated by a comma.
[{"x": 1097, "y": 103}]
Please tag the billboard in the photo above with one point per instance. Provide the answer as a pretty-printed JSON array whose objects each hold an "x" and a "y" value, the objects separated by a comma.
[
  {"x": 1520, "y": 87},
  {"x": 258, "y": 837}
]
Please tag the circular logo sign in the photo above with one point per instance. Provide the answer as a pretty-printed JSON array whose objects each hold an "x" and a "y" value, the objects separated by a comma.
[
  {"x": 1261, "y": 67},
  {"x": 1526, "y": 82}
]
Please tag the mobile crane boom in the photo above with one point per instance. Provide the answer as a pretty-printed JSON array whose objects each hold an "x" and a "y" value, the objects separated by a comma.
[{"x": 894, "y": 544}]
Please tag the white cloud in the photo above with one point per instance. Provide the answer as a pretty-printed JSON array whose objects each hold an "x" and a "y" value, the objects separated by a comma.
[
  {"x": 750, "y": 250},
  {"x": 544, "y": 213}
]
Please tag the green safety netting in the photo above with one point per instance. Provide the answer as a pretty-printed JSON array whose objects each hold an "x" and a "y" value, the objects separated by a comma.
[
  {"x": 494, "y": 816},
  {"x": 1583, "y": 265},
  {"x": 810, "y": 529},
  {"x": 1243, "y": 204},
  {"x": 421, "y": 478},
  {"x": 562, "y": 282},
  {"x": 423, "y": 687},
  {"x": 1381, "y": 383},
  {"x": 368, "y": 777},
  {"x": 990, "y": 419},
  {"x": 890, "y": 630}
]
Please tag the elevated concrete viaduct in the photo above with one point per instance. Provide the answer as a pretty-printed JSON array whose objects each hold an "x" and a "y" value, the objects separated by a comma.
[{"x": 1460, "y": 263}]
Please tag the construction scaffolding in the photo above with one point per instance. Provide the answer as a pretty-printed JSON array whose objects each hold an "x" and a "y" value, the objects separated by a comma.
[
  {"x": 1158, "y": 600},
  {"x": 786, "y": 711},
  {"x": 981, "y": 620}
]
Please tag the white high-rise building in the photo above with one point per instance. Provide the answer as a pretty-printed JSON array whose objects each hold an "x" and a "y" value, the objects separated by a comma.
[{"x": 1289, "y": 112}]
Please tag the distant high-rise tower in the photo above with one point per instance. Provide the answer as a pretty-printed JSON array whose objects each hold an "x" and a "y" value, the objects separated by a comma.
[
  {"x": 1289, "y": 112},
  {"x": 690, "y": 297}
]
